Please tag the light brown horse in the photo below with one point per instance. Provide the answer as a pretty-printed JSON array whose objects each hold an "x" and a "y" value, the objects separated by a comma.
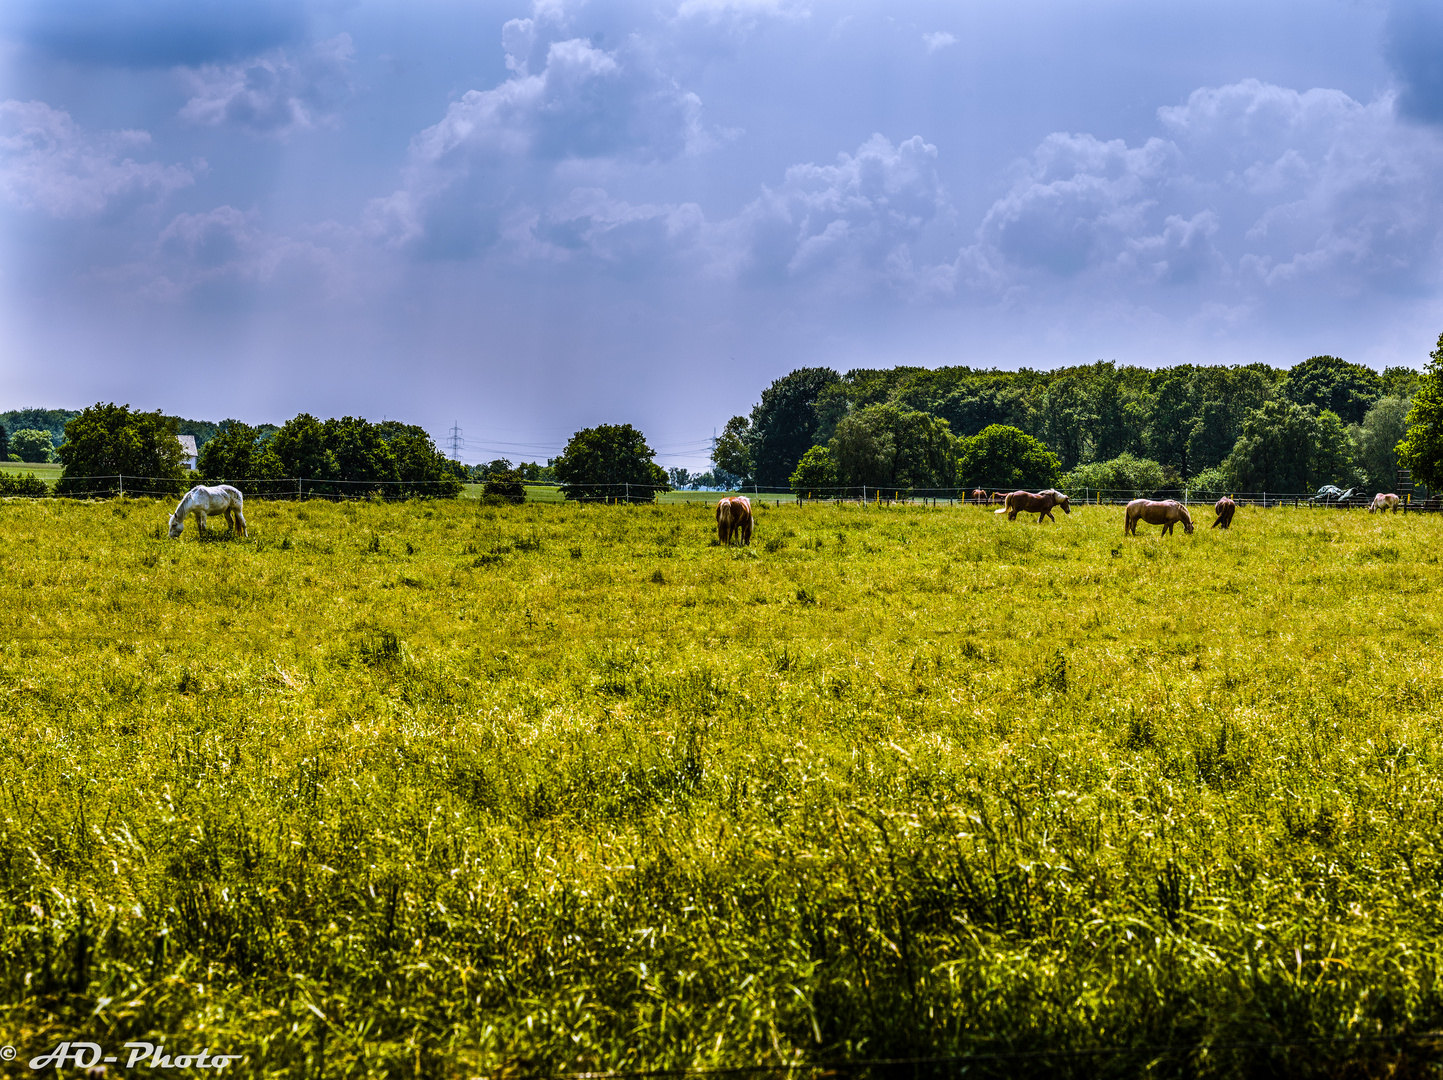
[
  {"x": 1385, "y": 503},
  {"x": 1225, "y": 508},
  {"x": 734, "y": 519},
  {"x": 1166, "y": 513},
  {"x": 1040, "y": 504},
  {"x": 979, "y": 497}
]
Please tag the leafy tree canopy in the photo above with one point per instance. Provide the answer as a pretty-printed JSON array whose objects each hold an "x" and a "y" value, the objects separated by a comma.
[
  {"x": 1376, "y": 439},
  {"x": 1329, "y": 383},
  {"x": 733, "y": 452},
  {"x": 234, "y": 455},
  {"x": 1290, "y": 448},
  {"x": 1123, "y": 475},
  {"x": 1004, "y": 458},
  {"x": 51, "y": 420},
  {"x": 894, "y": 448},
  {"x": 1422, "y": 448},
  {"x": 784, "y": 423},
  {"x": 815, "y": 476},
  {"x": 610, "y": 461},
  {"x": 106, "y": 441},
  {"x": 32, "y": 445}
]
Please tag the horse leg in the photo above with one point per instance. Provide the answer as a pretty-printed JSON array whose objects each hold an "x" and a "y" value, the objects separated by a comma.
[{"x": 240, "y": 522}]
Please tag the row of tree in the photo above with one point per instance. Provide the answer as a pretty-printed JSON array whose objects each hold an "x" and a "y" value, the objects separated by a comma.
[
  {"x": 1245, "y": 428},
  {"x": 337, "y": 458}
]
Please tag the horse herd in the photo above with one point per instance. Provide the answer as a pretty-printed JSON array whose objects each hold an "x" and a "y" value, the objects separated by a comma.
[{"x": 734, "y": 513}]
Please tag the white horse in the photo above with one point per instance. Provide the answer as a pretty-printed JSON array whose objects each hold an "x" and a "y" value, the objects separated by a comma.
[
  {"x": 200, "y": 501},
  {"x": 1385, "y": 503}
]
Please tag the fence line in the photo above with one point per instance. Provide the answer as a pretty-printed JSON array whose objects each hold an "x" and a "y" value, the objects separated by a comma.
[{"x": 294, "y": 487}]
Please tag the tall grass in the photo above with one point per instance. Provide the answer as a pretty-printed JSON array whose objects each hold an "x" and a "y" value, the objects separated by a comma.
[{"x": 444, "y": 790}]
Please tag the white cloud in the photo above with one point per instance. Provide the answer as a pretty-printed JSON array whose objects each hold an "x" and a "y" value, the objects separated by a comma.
[
  {"x": 275, "y": 94},
  {"x": 225, "y": 248},
  {"x": 1253, "y": 183},
  {"x": 938, "y": 39},
  {"x": 586, "y": 104},
  {"x": 49, "y": 163}
]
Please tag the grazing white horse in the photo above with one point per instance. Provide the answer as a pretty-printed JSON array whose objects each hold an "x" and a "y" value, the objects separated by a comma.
[
  {"x": 201, "y": 500},
  {"x": 1385, "y": 503}
]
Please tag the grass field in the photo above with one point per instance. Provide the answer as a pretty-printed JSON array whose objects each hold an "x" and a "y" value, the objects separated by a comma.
[
  {"x": 450, "y": 790},
  {"x": 49, "y": 472}
]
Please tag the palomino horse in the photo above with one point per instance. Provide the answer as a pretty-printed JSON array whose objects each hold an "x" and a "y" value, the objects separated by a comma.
[
  {"x": 1166, "y": 513},
  {"x": 1040, "y": 504},
  {"x": 1385, "y": 503},
  {"x": 734, "y": 519},
  {"x": 1225, "y": 508},
  {"x": 200, "y": 501},
  {"x": 979, "y": 497}
]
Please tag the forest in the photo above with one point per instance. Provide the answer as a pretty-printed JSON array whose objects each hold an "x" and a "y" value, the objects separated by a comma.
[{"x": 1246, "y": 427}]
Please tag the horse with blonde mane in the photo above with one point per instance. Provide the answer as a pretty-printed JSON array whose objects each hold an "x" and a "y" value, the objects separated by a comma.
[
  {"x": 1225, "y": 508},
  {"x": 1040, "y": 504},
  {"x": 734, "y": 519},
  {"x": 1384, "y": 503},
  {"x": 201, "y": 500},
  {"x": 979, "y": 497},
  {"x": 1167, "y": 513}
]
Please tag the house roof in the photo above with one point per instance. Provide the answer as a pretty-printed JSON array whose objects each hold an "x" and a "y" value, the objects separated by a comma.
[{"x": 187, "y": 445}]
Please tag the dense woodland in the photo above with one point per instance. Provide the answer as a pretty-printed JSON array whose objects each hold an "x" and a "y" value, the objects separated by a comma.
[{"x": 1249, "y": 427}]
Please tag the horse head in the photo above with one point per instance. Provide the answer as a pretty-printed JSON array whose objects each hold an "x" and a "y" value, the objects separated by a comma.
[{"x": 177, "y": 525}]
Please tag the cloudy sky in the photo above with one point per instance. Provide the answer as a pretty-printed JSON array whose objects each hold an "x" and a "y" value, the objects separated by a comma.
[{"x": 525, "y": 218}]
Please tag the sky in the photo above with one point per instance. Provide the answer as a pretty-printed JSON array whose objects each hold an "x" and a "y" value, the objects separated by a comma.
[{"x": 521, "y": 219}]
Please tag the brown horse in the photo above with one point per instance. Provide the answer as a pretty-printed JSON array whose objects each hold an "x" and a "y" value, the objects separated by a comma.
[
  {"x": 1040, "y": 504},
  {"x": 734, "y": 519},
  {"x": 1166, "y": 513},
  {"x": 1225, "y": 508},
  {"x": 979, "y": 497},
  {"x": 1385, "y": 503}
]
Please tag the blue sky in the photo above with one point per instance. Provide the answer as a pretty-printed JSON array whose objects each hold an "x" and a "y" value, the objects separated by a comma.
[{"x": 525, "y": 218}]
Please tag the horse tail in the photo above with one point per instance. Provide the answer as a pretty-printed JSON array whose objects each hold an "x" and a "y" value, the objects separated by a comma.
[{"x": 1006, "y": 505}]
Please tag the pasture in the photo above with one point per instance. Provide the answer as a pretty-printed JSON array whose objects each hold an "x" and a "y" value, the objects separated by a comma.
[{"x": 443, "y": 789}]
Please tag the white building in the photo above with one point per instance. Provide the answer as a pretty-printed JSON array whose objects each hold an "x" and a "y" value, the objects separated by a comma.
[{"x": 188, "y": 451}]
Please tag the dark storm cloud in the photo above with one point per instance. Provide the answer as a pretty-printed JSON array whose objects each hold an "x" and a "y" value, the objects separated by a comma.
[
  {"x": 1414, "y": 48},
  {"x": 155, "y": 33}
]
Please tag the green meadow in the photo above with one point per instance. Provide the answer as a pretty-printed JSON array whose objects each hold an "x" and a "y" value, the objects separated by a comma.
[{"x": 451, "y": 790}]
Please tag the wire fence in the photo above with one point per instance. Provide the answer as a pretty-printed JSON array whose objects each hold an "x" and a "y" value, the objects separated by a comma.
[{"x": 624, "y": 492}]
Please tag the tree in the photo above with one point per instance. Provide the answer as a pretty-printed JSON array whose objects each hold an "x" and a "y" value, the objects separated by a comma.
[
  {"x": 733, "y": 453},
  {"x": 4, "y": 444},
  {"x": 234, "y": 455},
  {"x": 105, "y": 442},
  {"x": 503, "y": 482},
  {"x": 1067, "y": 419},
  {"x": 610, "y": 461},
  {"x": 1399, "y": 382},
  {"x": 784, "y": 423},
  {"x": 1422, "y": 448},
  {"x": 298, "y": 451},
  {"x": 1214, "y": 431},
  {"x": 32, "y": 445},
  {"x": 678, "y": 477},
  {"x": 1287, "y": 447},
  {"x": 1172, "y": 424},
  {"x": 421, "y": 470},
  {"x": 1330, "y": 384},
  {"x": 815, "y": 475},
  {"x": 887, "y": 446},
  {"x": 1123, "y": 475},
  {"x": 1003, "y": 457},
  {"x": 1375, "y": 441}
]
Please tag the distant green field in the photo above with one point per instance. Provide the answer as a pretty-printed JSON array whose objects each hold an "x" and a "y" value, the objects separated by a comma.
[
  {"x": 436, "y": 789},
  {"x": 49, "y": 472}
]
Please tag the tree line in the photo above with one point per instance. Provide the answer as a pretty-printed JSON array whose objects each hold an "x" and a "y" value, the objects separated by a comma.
[
  {"x": 1103, "y": 426},
  {"x": 347, "y": 457}
]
